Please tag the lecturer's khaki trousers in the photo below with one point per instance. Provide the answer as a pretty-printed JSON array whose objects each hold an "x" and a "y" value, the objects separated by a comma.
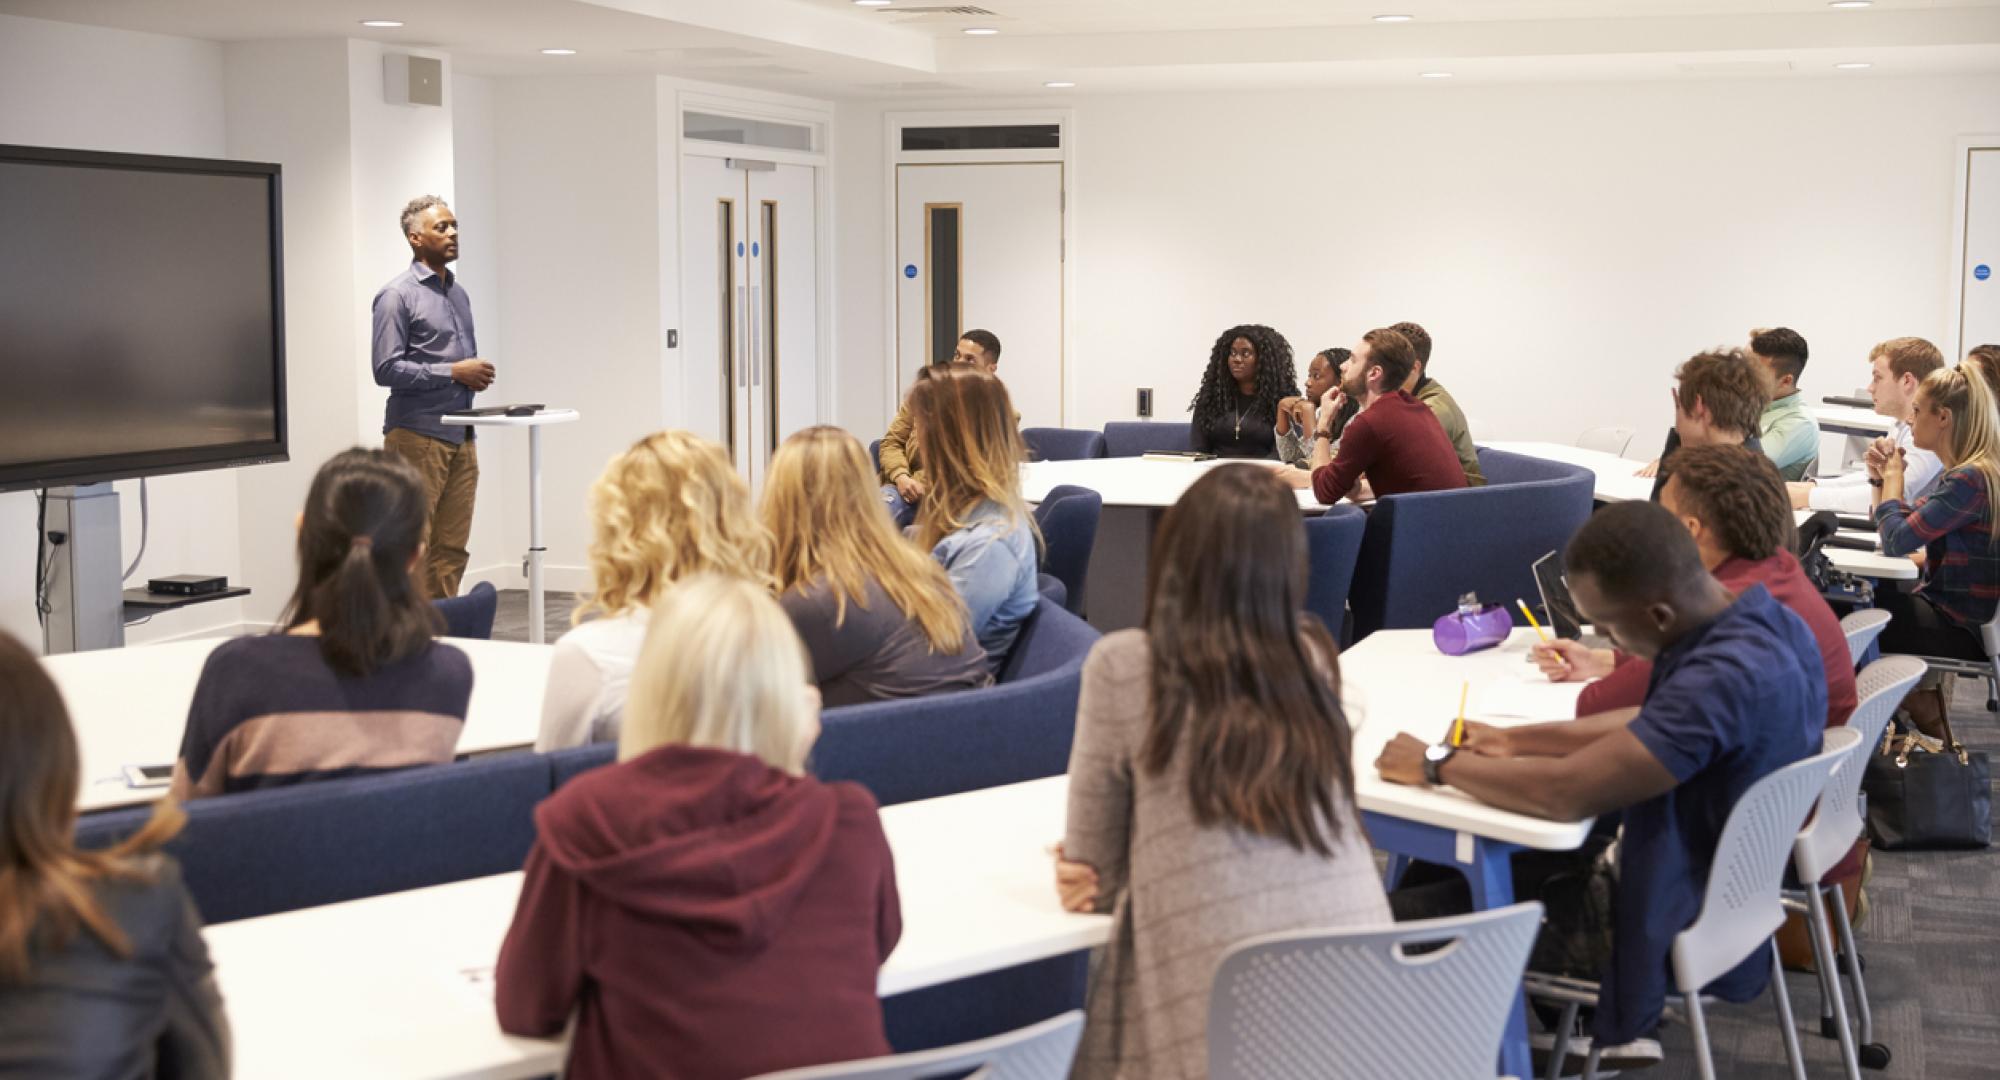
[{"x": 451, "y": 478}]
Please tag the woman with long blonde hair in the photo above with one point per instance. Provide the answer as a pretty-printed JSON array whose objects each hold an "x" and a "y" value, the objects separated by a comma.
[
  {"x": 102, "y": 968},
  {"x": 737, "y": 910},
  {"x": 1955, "y": 419},
  {"x": 973, "y": 520},
  {"x": 669, "y": 507},
  {"x": 879, "y": 619}
]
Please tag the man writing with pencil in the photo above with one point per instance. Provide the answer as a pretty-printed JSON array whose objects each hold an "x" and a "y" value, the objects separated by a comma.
[{"x": 1737, "y": 692}]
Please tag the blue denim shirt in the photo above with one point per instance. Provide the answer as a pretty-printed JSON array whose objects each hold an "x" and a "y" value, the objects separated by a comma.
[
  {"x": 423, "y": 323},
  {"x": 992, "y": 564}
]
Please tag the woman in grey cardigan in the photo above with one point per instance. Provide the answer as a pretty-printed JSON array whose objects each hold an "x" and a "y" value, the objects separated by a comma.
[{"x": 1211, "y": 782}]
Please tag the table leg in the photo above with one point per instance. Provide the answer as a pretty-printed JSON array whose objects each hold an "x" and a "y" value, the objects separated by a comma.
[{"x": 537, "y": 610}]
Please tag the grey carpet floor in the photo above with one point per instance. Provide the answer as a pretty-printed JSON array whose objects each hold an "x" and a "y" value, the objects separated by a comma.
[{"x": 1931, "y": 940}]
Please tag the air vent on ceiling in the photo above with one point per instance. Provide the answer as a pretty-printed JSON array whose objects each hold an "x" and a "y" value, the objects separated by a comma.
[
  {"x": 941, "y": 11},
  {"x": 1737, "y": 67},
  {"x": 711, "y": 54},
  {"x": 910, "y": 87}
]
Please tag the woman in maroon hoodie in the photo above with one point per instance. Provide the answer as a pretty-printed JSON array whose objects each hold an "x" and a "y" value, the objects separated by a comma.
[{"x": 702, "y": 907}]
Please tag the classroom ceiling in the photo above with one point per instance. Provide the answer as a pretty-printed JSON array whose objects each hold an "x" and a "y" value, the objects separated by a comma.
[{"x": 912, "y": 48}]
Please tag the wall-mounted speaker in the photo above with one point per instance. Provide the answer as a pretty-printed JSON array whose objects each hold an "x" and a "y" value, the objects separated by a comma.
[{"x": 412, "y": 80}]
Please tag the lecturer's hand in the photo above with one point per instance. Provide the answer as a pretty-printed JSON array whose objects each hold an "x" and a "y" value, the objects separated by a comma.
[{"x": 473, "y": 372}]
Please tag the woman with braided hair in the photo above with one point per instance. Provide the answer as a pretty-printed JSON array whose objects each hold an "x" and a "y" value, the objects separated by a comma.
[{"x": 1236, "y": 409}]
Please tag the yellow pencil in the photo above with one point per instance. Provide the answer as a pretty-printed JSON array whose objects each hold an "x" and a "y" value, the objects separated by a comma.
[
  {"x": 1530, "y": 613},
  {"x": 1458, "y": 727}
]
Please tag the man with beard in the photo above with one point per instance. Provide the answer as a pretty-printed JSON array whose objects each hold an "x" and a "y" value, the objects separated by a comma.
[{"x": 1395, "y": 441}]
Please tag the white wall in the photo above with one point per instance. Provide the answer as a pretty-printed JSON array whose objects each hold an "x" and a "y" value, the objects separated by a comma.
[
  {"x": 1539, "y": 232},
  {"x": 97, "y": 89},
  {"x": 476, "y": 203}
]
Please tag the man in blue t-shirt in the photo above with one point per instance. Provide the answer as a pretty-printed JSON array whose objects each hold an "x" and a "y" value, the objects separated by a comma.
[{"x": 1738, "y": 691}]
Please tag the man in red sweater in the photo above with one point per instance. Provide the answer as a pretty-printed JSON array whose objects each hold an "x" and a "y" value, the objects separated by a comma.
[
  {"x": 1734, "y": 502},
  {"x": 1395, "y": 441}
]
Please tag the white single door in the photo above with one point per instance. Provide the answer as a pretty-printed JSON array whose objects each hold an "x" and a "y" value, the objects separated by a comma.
[
  {"x": 750, "y": 315},
  {"x": 981, "y": 246},
  {"x": 1979, "y": 278}
]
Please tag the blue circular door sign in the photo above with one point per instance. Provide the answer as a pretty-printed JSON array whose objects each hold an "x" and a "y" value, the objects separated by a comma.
[
  {"x": 910, "y": 271},
  {"x": 1982, "y": 271},
  {"x": 753, "y": 248},
  {"x": 739, "y": 249}
]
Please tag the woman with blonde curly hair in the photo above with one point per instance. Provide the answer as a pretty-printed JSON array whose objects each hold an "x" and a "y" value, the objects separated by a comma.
[
  {"x": 670, "y": 507},
  {"x": 973, "y": 520},
  {"x": 879, "y": 618}
]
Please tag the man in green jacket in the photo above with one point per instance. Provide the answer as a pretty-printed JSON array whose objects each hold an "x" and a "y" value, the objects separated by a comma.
[
  {"x": 902, "y": 474},
  {"x": 1432, "y": 393}
]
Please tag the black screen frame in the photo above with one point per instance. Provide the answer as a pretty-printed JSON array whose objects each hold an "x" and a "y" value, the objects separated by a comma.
[{"x": 62, "y": 472}]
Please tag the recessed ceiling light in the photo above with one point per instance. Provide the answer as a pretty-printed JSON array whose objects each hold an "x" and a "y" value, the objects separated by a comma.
[
  {"x": 1436, "y": 75},
  {"x": 1394, "y": 18},
  {"x": 871, "y": 3},
  {"x": 558, "y": 52},
  {"x": 1854, "y": 65},
  {"x": 381, "y": 24},
  {"x": 1058, "y": 85},
  {"x": 981, "y": 31},
  {"x": 1852, "y": 3}
]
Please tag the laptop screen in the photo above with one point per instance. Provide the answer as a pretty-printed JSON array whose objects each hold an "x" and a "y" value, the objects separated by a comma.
[{"x": 1556, "y": 603}]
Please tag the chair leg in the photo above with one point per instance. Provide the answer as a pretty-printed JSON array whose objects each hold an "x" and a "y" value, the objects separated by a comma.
[
  {"x": 1561, "y": 1049},
  {"x": 1590, "y": 1063},
  {"x": 1788, "y": 1028},
  {"x": 1822, "y": 942},
  {"x": 1873, "y": 1055},
  {"x": 1704, "y": 1057}
]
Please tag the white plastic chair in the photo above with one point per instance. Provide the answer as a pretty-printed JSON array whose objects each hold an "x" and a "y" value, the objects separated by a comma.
[
  {"x": 1989, "y": 669},
  {"x": 1826, "y": 839},
  {"x": 1611, "y": 440},
  {"x": 1862, "y": 628},
  {"x": 1329, "y": 1004},
  {"x": 1740, "y": 910},
  {"x": 1037, "y": 1052}
]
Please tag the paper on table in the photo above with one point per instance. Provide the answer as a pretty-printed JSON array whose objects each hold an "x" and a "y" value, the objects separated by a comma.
[{"x": 1528, "y": 696}]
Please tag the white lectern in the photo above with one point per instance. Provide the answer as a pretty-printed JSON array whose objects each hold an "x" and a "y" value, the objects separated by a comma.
[{"x": 534, "y": 423}]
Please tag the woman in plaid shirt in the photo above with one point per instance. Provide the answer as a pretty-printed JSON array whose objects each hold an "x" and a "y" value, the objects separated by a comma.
[{"x": 1960, "y": 586}]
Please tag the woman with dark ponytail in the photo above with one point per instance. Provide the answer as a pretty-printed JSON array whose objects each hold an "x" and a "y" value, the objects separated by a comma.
[{"x": 356, "y": 681}]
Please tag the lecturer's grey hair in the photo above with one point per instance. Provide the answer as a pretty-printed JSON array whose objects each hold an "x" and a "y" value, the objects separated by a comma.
[{"x": 415, "y": 209}]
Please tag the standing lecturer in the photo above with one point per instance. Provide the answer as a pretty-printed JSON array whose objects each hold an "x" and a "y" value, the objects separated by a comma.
[{"x": 426, "y": 354}]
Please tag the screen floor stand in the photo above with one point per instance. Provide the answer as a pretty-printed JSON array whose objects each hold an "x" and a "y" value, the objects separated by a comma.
[{"x": 86, "y": 578}]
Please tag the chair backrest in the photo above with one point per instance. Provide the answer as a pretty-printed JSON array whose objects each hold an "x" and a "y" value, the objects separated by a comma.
[
  {"x": 1611, "y": 440},
  {"x": 471, "y": 615},
  {"x": 875, "y": 454},
  {"x": 1357, "y": 1003},
  {"x": 567, "y": 765},
  {"x": 1068, "y": 520},
  {"x": 1862, "y": 628},
  {"x": 280, "y": 849},
  {"x": 1041, "y": 1051},
  {"x": 1062, "y": 444},
  {"x": 1333, "y": 543},
  {"x": 1421, "y": 551},
  {"x": 1020, "y": 729},
  {"x": 1130, "y": 438},
  {"x": 1837, "y": 821},
  {"x": 1741, "y": 908}
]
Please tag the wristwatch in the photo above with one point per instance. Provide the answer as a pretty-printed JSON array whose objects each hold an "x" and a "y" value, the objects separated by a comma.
[{"x": 1435, "y": 756}]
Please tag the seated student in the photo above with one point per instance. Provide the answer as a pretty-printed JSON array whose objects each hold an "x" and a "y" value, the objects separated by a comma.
[
  {"x": 902, "y": 472},
  {"x": 879, "y": 618},
  {"x": 1395, "y": 440},
  {"x": 1737, "y": 694},
  {"x": 1211, "y": 786},
  {"x": 703, "y": 908},
  {"x": 1432, "y": 393},
  {"x": 1788, "y": 433},
  {"x": 973, "y": 521},
  {"x": 102, "y": 968},
  {"x": 668, "y": 507},
  {"x": 1984, "y": 359},
  {"x": 1895, "y": 369},
  {"x": 1734, "y": 505},
  {"x": 1297, "y": 415},
  {"x": 1236, "y": 409},
  {"x": 1717, "y": 402},
  {"x": 1960, "y": 579},
  {"x": 357, "y": 682}
]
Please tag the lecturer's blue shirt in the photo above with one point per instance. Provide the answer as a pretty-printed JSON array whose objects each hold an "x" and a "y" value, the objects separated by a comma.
[{"x": 423, "y": 323}]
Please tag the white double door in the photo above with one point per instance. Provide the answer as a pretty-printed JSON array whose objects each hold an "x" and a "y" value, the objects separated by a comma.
[
  {"x": 981, "y": 246},
  {"x": 749, "y": 253}
]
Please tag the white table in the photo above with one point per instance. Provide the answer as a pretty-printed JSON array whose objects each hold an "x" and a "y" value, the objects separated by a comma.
[
  {"x": 1868, "y": 564},
  {"x": 400, "y": 985},
  {"x": 537, "y": 633},
  {"x": 1618, "y": 478},
  {"x": 129, "y": 706},
  {"x": 1136, "y": 492}
]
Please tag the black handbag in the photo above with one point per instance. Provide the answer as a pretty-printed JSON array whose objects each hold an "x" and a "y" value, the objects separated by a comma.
[{"x": 1926, "y": 793}]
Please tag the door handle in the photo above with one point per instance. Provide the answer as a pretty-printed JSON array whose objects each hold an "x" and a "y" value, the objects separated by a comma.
[
  {"x": 756, "y": 339},
  {"x": 742, "y": 339}
]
